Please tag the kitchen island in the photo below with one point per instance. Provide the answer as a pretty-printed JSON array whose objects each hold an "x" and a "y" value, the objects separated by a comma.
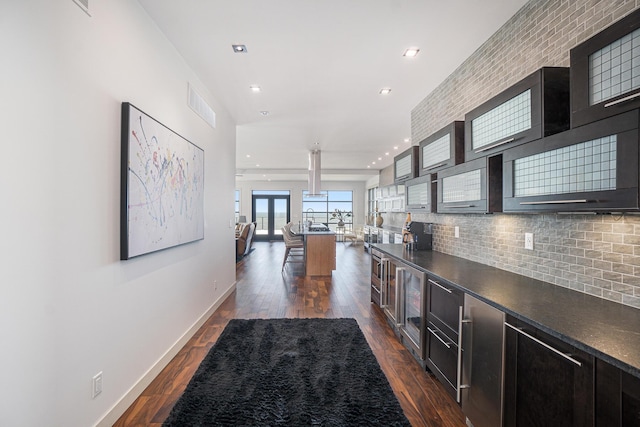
[{"x": 319, "y": 251}]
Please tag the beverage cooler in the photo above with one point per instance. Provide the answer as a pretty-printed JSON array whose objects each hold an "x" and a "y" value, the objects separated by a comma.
[
  {"x": 404, "y": 302},
  {"x": 377, "y": 272}
]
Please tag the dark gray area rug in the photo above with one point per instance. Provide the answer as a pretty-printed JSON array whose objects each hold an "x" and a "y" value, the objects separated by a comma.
[{"x": 289, "y": 372}]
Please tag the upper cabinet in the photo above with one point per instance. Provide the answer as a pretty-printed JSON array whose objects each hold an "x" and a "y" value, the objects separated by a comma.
[
  {"x": 605, "y": 76},
  {"x": 442, "y": 149},
  {"x": 471, "y": 187},
  {"x": 406, "y": 165},
  {"x": 535, "y": 107},
  {"x": 590, "y": 168},
  {"x": 420, "y": 193}
]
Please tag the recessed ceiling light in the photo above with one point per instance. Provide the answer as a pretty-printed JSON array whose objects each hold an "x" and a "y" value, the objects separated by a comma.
[
  {"x": 411, "y": 52},
  {"x": 407, "y": 140},
  {"x": 257, "y": 166},
  {"x": 239, "y": 48},
  {"x": 379, "y": 158},
  {"x": 386, "y": 154},
  {"x": 368, "y": 166},
  {"x": 385, "y": 91},
  {"x": 255, "y": 88},
  {"x": 248, "y": 155},
  {"x": 373, "y": 163},
  {"x": 395, "y": 147},
  {"x": 264, "y": 113}
]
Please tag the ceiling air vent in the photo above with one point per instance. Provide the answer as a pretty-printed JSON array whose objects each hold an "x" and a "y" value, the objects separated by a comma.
[
  {"x": 84, "y": 5},
  {"x": 201, "y": 108}
]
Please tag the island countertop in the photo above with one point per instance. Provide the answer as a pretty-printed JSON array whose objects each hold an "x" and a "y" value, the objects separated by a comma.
[{"x": 602, "y": 328}]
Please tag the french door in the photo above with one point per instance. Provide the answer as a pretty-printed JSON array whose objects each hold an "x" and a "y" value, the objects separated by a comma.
[{"x": 270, "y": 213}]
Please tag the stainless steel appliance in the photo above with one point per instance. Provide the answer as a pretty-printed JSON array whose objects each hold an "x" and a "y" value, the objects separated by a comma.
[
  {"x": 389, "y": 292},
  {"x": 377, "y": 271},
  {"x": 482, "y": 363},
  {"x": 412, "y": 309}
]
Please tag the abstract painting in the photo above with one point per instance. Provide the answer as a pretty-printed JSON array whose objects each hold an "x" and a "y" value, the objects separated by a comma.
[{"x": 162, "y": 193}]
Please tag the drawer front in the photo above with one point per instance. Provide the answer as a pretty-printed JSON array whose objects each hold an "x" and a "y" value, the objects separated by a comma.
[
  {"x": 444, "y": 307},
  {"x": 443, "y": 354}
]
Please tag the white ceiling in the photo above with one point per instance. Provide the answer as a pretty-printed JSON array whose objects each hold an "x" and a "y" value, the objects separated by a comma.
[{"x": 321, "y": 65}]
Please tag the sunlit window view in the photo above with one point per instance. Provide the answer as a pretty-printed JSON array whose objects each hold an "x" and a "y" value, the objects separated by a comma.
[
  {"x": 271, "y": 212},
  {"x": 320, "y": 210}
]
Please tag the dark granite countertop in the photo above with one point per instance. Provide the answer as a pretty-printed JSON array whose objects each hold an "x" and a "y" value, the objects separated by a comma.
[{"x": 605, "y": 329}]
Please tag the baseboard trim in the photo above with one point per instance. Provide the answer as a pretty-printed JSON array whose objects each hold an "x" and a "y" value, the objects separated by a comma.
[{"x": 136, "y": 390}]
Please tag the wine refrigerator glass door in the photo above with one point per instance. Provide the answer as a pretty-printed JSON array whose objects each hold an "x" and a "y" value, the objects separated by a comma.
[
  {"x": 391, "y": 290},
  {"x": 413, "y": 304}
]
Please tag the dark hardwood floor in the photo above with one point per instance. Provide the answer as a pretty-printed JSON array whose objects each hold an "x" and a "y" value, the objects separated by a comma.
[{"x": 263, "y": 291}]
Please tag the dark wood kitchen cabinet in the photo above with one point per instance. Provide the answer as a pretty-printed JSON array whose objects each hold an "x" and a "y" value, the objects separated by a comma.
[
  {"x": 617, "y": 397},
  {"x": 421, "y": 193},
  {"x": 471, "y": 187},
  {"x": 444, "y": 316},
  {"x": 593, "y": 168},
  {"x": 405, "y": 165},
  {"x": 605, "y": 79},
  {"x": 547, "y": 381},
  {"x": 535, "y": 107},
  {"x": 443, "y": 149}
]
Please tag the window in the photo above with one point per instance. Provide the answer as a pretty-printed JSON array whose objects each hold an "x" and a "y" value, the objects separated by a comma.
[{"x": 320, "y": 209}]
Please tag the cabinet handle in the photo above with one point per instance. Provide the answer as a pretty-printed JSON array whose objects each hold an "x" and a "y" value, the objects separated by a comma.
[
  {"x": 621, "y": 100},
  {"x": 400, "y": 296},
  {"x": 497, "y": 144},
  {"x": 547, "y": 346},
  {"x": 446, "y": 344},
  {"x": 440, "y": 286},
  {"x": 459, "y": 373},
  {"x": 436, "y": 166},
  {"x": 557, "y": 202},
  {"x": 461, "y": 206}
]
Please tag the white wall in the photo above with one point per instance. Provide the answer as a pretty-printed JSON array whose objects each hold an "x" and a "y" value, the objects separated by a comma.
[
  {"x": 296, "y": 188},
  {"x": 68, "y": 307}
]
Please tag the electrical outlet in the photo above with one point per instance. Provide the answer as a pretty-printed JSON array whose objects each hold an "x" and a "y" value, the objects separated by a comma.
[
  {"x": 97, "y": 385},
  {"x": 215, "y": 285},
  {"x": 528, "y": 241},
  {"x": 456, "y": 232}
]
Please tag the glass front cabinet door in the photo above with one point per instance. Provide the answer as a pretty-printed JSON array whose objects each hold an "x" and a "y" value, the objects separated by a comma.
[
  {"x": 413, "y": 313},
  {"x": 471, "y": 187},
  {"x": 442, "y": 149},
  {"x": 405, "y": 165},
  {"x": 534, "y": 107},
  {"x": 605, "y": 76},
  {"x": 420, "y": 193},
  {"x": 592, "y": 168}
]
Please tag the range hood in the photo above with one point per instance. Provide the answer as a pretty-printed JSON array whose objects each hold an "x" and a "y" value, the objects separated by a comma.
[{"x": 314, "y": 174}]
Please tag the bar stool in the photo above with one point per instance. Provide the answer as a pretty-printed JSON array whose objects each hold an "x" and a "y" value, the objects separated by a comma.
[{"x": 294, "y": 247}]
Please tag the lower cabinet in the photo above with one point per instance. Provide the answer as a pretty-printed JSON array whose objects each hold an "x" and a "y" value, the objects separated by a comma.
[
  {"x": 444, "y": 313},
  {"x": 501, "y": 370},
  {"x": 412, "y": 308},
  {"x": 617, "y": 397},
  {"x": 482, "y": 363},
  {"x": 403, "y": 299},
  {"x": 547, "y": 381}
]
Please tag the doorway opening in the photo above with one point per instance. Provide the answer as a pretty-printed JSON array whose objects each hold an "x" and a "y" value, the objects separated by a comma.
[{"x": 270, "y": 210}]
